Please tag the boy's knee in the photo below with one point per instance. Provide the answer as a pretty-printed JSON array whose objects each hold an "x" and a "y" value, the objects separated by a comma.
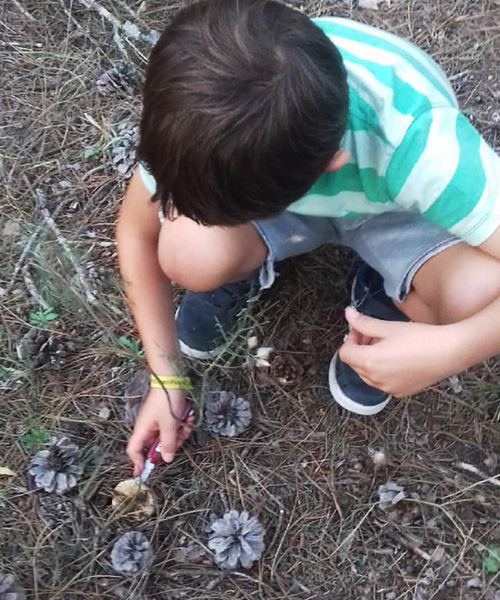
[
  {"x": 203, "y": 258},
  {"x": 459, "y": 284}
]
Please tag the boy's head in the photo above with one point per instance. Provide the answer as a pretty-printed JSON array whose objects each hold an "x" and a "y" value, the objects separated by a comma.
[{"x": 245, "y": 103}]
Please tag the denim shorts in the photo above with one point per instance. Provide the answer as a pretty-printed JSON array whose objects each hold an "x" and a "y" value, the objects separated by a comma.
[{"x": 396, "y": 244}]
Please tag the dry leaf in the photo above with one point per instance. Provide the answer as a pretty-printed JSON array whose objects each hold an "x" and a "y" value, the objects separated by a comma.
[{"x": 7, "y": 472}]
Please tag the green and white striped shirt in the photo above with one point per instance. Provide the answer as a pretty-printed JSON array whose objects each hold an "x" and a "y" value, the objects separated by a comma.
[{"x": 411, "y": 148}]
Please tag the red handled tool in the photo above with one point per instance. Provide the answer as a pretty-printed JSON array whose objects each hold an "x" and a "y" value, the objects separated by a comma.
[{"x": 154, "y": 453}]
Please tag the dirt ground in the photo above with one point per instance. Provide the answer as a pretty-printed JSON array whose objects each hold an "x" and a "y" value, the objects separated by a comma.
[{"x": 308, "y": 470}]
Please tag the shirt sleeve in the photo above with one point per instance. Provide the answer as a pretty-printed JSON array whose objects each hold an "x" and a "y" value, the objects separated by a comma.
[
  {"x": 445, "y": 170},
  {"x": 147, "y": 179}
]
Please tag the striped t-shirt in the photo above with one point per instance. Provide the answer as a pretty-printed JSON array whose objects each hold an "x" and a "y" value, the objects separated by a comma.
[{"x": 410, "y": 147}]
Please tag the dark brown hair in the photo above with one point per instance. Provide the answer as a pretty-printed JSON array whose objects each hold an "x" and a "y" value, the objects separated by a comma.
[{"x": 245, "y": 103}]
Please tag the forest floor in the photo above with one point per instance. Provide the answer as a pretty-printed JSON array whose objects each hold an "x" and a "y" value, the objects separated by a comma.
[{"x": 309, "y": 471}]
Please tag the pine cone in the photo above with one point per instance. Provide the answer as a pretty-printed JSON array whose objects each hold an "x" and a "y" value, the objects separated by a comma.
[
  {"x": 236, "y": 539},
  {"x": 10, "y": 589},
  {"x": 98, "y": 275},
  {"x": 56, "y": 469},
  {"x": 120, "y": 78},
  {"x": 131, "y": 553},
  {"x": 44, "y": 350},
  {"x": 226, "y": 413},
  {"x": 53, "y": 510},
  {"x": 286, "y": 369},
  {"x": 123, "y": 153}
]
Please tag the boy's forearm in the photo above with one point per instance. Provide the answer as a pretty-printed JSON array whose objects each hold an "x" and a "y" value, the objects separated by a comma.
[{"x": 149, "y": 296}]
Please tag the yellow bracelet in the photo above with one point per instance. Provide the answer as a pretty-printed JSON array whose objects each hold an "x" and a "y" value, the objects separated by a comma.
[{"x": 170, "y": 382}]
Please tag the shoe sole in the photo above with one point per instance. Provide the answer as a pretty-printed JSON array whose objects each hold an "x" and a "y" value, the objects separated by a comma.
[
  {"x": 200, "y": 354},
  {"x": 344, "y": 401}
]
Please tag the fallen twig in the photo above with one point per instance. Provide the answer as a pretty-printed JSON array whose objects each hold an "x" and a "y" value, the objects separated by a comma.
[
  {"x": 90, "y": 293},
  {"x": 30, "y": 247},
  {"x": 32, "y": 289},
  {"x": 126, "y": 28}
]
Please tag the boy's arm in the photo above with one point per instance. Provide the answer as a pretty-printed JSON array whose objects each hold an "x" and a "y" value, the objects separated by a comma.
[
  {"x": 150, "y": 298},
  {"x": 408, "y": 357},
  {"x": 148, "y": 289}
]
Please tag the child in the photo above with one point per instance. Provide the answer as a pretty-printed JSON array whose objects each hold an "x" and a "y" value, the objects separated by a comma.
[{"x": 264, "y": 135}]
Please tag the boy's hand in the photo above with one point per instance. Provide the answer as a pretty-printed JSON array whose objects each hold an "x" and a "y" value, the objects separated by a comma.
[
  {"x": 155, "y": 420},
  {"x": 400, "y": 358}
]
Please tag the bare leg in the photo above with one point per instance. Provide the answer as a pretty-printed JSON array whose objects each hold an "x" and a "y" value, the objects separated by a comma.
[
  {"x": 452, "y": 286},
  {"x": 203, "y": 258}
]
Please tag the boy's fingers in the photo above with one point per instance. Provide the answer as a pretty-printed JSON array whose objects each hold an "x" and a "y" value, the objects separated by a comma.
[
  {"x": 135, "y": 451},
  {"x": 354, "y": 355},
  {"x": 168, "y": 440},
  {"x": 368, "y": 326},
  {"x": 353, "y": 337},
  {"x": 184, "y": 433}
]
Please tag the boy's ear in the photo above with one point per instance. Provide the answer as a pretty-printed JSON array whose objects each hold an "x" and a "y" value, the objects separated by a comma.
[{"x": 340, "y": 158}]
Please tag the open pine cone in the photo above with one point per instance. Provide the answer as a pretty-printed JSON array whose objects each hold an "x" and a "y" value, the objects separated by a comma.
[
  {"x": 286, "y": 369},
  {"x": 120, "y": 78},
  {"x": 10, "y": 589},
  {"x": 44, "y": 350},
  {"x": 56, "y": 469},
  {"x": 131, "y": 553},
  {"x": 54, "y": 511},
  {"x": 226, "y": 413},
  {"x": 236, "y": 539},
  {"x": 123, "y": 153}
]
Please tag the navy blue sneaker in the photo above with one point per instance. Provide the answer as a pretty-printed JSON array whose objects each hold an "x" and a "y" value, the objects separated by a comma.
[
  {"x": 204, "y": 319},
  {"x": 347, "y": 387}
]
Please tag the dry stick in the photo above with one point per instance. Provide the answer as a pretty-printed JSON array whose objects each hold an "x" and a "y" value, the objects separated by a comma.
[
  {"x": 126, "y": 28},
  {"x": 32, "y": 289},
  {"x": 90, "y": 293},
  {"x": 354, "y": 531},
  {"x": 27, "y": 14},
  {"x": 103, "y": 12},
  {"x": 32, "y": 245},
  {"x": 472, "y": 469}
]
